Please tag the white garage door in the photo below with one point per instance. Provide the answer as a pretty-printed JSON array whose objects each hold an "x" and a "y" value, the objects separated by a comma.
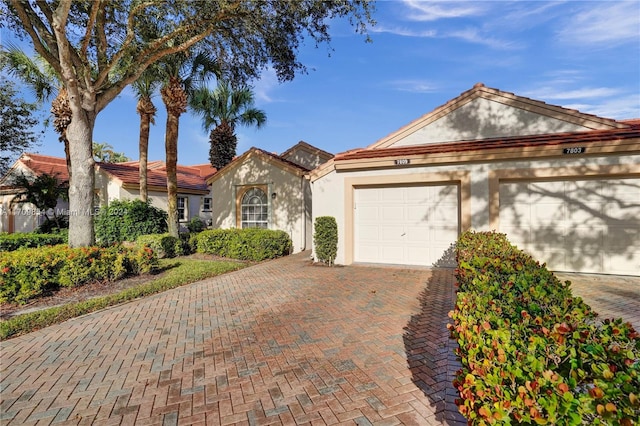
[
  {"x": 579, "y": 225},
  {"x": 408, "y": 225}
]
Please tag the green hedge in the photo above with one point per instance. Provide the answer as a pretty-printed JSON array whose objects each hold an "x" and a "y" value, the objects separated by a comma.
[
  {"x": 164, "y": 245},
  {"x": 531, "y": 352},
  {"x": 11, "y": 242},
  {"x": 244, "y": 244},
  {"x": 128, "y": 219},
  {"x": 28, "y": 273},
  {"x": 325, "y": 238}
]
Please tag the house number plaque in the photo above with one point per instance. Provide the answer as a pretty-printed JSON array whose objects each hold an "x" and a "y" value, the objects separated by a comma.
[
  {"x": 403, "y": 162},
  {"x": 576, "y": 150}
]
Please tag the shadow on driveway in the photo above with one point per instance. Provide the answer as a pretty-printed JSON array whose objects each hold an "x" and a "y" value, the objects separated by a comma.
[{"x": 430, "y": 351}]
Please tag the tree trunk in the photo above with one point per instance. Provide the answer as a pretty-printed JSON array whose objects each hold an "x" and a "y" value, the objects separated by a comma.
[
  {"x": 171, "y": 148},
  {"x": 82, "y": 182},
  {"x": 145, "y": 122}
]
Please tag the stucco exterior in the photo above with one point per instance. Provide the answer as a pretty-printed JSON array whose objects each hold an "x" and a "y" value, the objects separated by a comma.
[
  {"x": 520, "y": 141},
  {"x": 287, "y": 188}
]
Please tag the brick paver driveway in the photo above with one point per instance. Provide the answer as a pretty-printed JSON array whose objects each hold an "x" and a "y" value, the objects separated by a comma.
[{"x": 283, "y": 342}]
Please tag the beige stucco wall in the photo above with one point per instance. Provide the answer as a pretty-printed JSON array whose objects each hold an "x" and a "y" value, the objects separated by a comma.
[
  {"x": 482, "y": 119},
  {"x": 331, "y": 190},
  {"x": 290, "y": 209}
]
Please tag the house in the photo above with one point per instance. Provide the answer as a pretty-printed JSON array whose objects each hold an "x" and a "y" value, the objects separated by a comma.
[
  {"x": 24, "y": 217},
  {"x": 260, "y": 189},
  {"x": 563, "y": 185},
  {"x": 114, "y": 181},
  {"x": 121, "y": 181}
]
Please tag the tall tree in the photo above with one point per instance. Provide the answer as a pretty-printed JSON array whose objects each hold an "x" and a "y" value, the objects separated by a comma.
[
  {"x": 100, "y": 47},
  {"x": 181, "y": 74},
  {"x": 144, "y": 88},
  {"x": 104, "y": 153},
  {"x": 16, "y": 125},
  {"x": 42, "y": 79},
  {"x": 222, "y": 109}
]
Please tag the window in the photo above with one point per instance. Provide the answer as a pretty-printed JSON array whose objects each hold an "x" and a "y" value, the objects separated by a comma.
[
  {"x": 254, "y": 209},
  {"x": 206, "y": 204},
  {"x": 183, "y": 209}
]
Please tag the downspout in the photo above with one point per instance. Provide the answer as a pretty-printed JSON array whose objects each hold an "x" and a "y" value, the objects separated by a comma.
[{"x": 303, "y": 246}]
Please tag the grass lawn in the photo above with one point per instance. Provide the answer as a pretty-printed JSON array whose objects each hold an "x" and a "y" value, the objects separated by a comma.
[{"x": 174, "y": 273}]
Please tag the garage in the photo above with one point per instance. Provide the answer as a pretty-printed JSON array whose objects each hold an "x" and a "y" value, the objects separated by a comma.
[
  {"x": 589, "y": 225},
  {"x": 407, "y": 225}
]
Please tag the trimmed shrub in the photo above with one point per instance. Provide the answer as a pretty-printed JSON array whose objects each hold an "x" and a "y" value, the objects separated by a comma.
[
  {"x": 196, "y": 225},
  {"x": 325, "y": 238},
  {"x": 530, "y": 351},
  {"x": 244, "y": 244},
  {"x": 127, "y": 220},
  {"x": 164, "y": 245},
  {"x": 29, "y": 272},
  {"x": 11, "y": 242}
]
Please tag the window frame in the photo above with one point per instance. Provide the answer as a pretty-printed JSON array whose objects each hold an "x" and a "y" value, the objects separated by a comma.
[
  {"x": 265, "y": 208},
  {"x": 185, "y": 208}
]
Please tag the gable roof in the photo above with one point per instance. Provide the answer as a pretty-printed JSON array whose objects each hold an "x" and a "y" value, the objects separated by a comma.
[
  {"x": 263, "y": 155},
  {"x": 573, "y": 118},
  {"x": 304, "y": 146},
  {"x": 39, "y": 165},
  {"x": 190, "y": 178},
  {"x": 630, "y": 134}
]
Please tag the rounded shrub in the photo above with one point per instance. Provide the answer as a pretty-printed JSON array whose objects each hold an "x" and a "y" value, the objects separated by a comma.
[{"x": 127, "y": 220}]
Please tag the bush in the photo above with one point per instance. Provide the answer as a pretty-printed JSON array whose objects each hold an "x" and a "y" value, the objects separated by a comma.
[
  {"x": 196, "y": 225},
  {"x": 530, "y": 351},
  {"x": 11, "y": 242},
  {"x": 51, "y": 226},
  {"x": 244, "y": 244},
  {"x": 27, "y": 273},
  {"x": 127, "y": 220},
  {"x": 164, "y": 245},
  {"x": 325, "y": 238}
]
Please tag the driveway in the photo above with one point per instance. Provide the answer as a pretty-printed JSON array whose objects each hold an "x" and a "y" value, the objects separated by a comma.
[
  {"x": 610, "y": 296},
  {"x": 283, "y": 342}
]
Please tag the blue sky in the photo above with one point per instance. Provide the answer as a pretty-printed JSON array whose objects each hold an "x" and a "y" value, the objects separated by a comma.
[{"x": 580, "y": 55}]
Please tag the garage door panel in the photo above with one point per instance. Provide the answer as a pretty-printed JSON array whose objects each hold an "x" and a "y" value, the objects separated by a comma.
[
  {"x": 392, "y": 233},
  {"x": 368, "y": 213},
  {"x": 413, "y": 226},
  {"x": 543, "y": 213},
  {"x": 391, "y": 214},
  {"x": 588, "y": 226}
]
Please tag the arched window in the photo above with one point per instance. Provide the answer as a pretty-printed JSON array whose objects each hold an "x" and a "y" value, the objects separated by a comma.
[{"x": 254, "y": 208}]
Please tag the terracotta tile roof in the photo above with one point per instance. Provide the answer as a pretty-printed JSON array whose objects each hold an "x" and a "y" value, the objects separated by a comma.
[
  {"x": 585, "y": 137},
  {"x": 128, "y": 173},
  {"x": 309, "y": 147},
  {"x": 45, "y": 164},
  {"x": 279, "y": 158}
]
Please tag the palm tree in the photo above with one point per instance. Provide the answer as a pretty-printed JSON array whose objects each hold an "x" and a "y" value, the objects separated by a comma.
[
  {"x": 144, "y": 89},
  {"x": 221, "y": 110},
  {"x": 181, "y": 74},
  {"x": 104, "y": 153},
  {"x": 44, "y": 82}
]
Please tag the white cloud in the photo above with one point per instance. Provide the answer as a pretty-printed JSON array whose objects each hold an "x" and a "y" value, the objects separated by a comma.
[
  {"x": 550, "y": 93},
  {"x": 472, "y": 35},
  {"x": 404, "y": 32},
  {"x": 604, "y": 23},
  {"x": 413, "y": 86},
  {"x": 265, "y": 85},
  {"x": 434, "y": 10},
  {"x": 619, "y": 108}
]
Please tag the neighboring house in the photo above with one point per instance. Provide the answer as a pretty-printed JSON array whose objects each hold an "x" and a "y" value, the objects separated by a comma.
[
  {"x": 120, "y": 181},
  {"x": 25, "y": 217},
  {"x": 263, "y": 190},
  {"x": 114, "y": 181},
  {"x": 563, "y": 185}
]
